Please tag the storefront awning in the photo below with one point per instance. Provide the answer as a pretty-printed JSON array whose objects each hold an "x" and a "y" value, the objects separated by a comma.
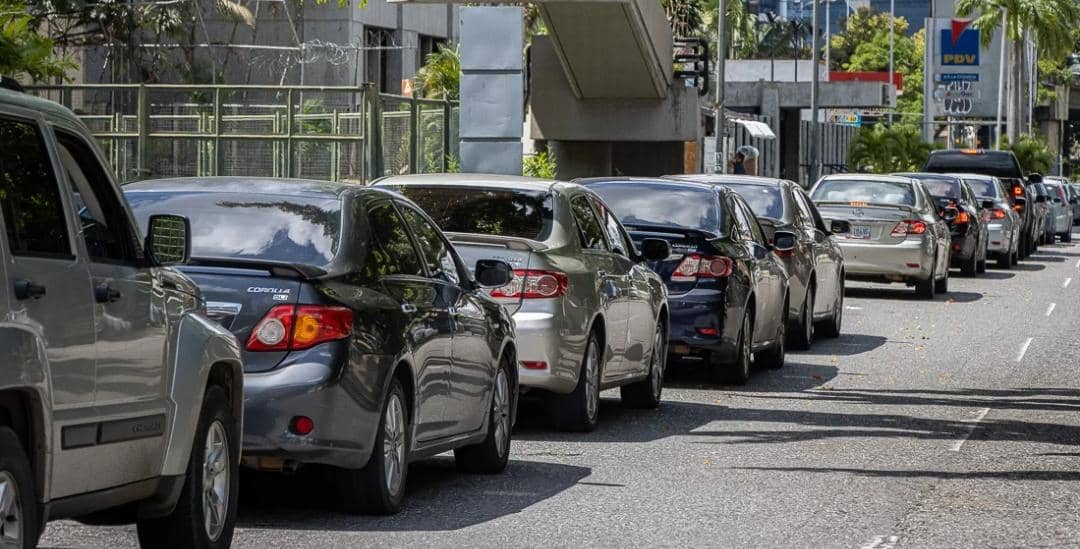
[{"x": 756, "y": 129}]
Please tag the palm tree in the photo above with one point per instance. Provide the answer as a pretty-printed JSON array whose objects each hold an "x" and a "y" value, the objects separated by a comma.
[
  {"x": 1052, "y": 21},
  {"x": 441, "y": 74}
]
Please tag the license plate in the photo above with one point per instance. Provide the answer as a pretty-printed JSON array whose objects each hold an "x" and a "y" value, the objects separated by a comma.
[{"x": 861, "y": 232}]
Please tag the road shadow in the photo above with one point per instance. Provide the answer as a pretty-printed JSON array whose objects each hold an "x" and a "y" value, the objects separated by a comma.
[
  {"x": 438, "y": 497},
  {"x": 908, "y": 294},
  {"x": 848, "y": 345},
  {"x": 1030, "y": 267},
  {"x": 944, "y": 475},
  {"x": 997, "y": 275},
  {"x": 1048, "y": 258}
]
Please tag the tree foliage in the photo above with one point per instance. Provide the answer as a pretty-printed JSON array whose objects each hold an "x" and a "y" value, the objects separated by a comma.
[
  {"x": 24, "y": 52},
  {"x": 541, "y": 164},
  {"x": 1033, "y": 153},
  {"x": 880, "y": 149},
  {"x": 863, "y": 26},
  {"x": 440, "y": 77}
]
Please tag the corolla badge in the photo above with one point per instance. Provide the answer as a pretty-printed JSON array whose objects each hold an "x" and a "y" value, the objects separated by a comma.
[{"x": 262, "y": 290}]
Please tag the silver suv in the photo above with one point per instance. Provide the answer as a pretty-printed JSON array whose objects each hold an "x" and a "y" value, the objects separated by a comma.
[{"x": 119, "y": 399}]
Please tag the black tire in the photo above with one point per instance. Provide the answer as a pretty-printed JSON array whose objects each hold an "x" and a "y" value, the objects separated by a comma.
[
  {"x": 579, "y": 411},
  {"x": 739, "y": 372},
  {"x": 831, "y": 328},
  {"x": 186, "y": 525},
  {"x": 647, "y": 393},
  {"x": 21, "y": 520},
  {"x": 941, "y": 287},
  {"x": 1066, "y": 237},
  {"x": 925, "y": 289},
  {"x": 369, "y": 490},
  {"x": 1005, "y": 260},
  {"x": 491, "y": 455},
  {"x": 970, "y": 267},
  {"x": 981, "y": 267},
  {"x": 802, "y": 332},
  {"x": 773, "y": 358}
]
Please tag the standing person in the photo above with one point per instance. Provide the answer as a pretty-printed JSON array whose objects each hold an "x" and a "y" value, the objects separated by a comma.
[{"x": 736, "y": 164}]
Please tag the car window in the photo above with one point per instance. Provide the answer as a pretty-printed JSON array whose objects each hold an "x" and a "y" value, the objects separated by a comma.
[
  {"x": 807, "y": 219},
  {"x": 29, "y": 193},
  {"x": 854, "y": 190},
  {"x": 616, "y": 240},
  {"x": 667, "y": 204},
  {"x": 390, "y": 250},
  {"x": 764, "y": 200},
  {"x": 592, "y": 235},
  {"x": 756, "y": 232},
  {"x": 103, "y": 222},
  {"x": 983, "y": 187},
  {"x": 742, "y": 220},
  {"x": 433, "y": 247},
  {"x": 501, "y": 212}
]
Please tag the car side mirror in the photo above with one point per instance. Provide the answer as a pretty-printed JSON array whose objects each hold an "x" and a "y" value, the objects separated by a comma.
[
  {"x": 988, "y": 204},
  {"x": 839, "y": 226},
  {"x": 492, "y": 273},
  {"x": 1035, "y": 177},
  {"x": 1057, "y": 201},
  {"x": 949, "y": 214},
  {"x": 168, "y": 240},
  {"x": 655, "y": 249},
  {"x": 784, "y": 241},
  {"x": 1041, "y": 199}
]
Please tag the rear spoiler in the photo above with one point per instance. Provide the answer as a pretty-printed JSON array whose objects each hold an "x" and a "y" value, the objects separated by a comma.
[
  {"x": 509, "y": 242},
  {"x": 864, "y": 205},
  {"x": 282, "y": 269},
  {"x": 668, "y": 229}
]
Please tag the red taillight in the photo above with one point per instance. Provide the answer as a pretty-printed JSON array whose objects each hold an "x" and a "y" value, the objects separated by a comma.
[
  {"x": 911, "y": 226},
  {"x": 695, "y": 266},
  {"x": 534, "y": 364},
  {"x": 534, "y": 284},
  {"x": 998, "y": 213},
  {"x": 294, "y": 328},
  {"x": 963, "y": 217},
  {"x": 1018, "y": 190},
  {"x": 708, "y": 332},
  {"x": 301, "y": 425}
]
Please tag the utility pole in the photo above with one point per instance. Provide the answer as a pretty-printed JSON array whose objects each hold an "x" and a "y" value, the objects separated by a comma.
[
  {"x": 812, "y": 173},
  {"x": 1001, "y": 82},
  {"x": 721, "y": 57},
  {"x": 892, "y": 50}
]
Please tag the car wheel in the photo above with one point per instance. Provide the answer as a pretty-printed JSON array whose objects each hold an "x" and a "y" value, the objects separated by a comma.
[
  {"x": 971, "y": 266},
  {"x": 491, "y": 455},
  {"x": 205, "y": 514},
  {"x": 925, "y": 289},
  {"x": 1005, "y": 260},
  {"x": 379, "y": 488},
  {"x": 19, "y": 525},
  {"x": 831, "y": 328},
  {"x": 942, "y": 286},
  {"x": 981, "y": 267},
  {"x": 1066, "y": 237},
  {"x": 646, "y": 394},
  {"x": 740, "y": 373},
  {"x": 802, "y": 335},
  {"x": 579, "y": 410},
  {"x": 773, "y": 359}
]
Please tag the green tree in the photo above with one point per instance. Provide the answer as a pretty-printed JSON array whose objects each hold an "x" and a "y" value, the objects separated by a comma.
[
  {"x": 880, "y": 149},
  {"x": 23, "y": 51},
  {"x": 1052, "y": 22},
  {"x": 1033, "y": 153},
  {"x": 862, "y": 26},
  {"x": 440, "y": 77},
  {"x": 541, "y": 164}
]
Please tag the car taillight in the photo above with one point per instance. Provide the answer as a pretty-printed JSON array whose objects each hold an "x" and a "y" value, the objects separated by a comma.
[
  {"x": 998, "y": 213},
  {"x": 911, "y": 226},
  {"x": 695, "y": 266},
  {"x": 534, "y": 284},
  {"x": 1018, "y": 190},
  {"x": 962, "y": 218},
  {"x": 298, "y": 327}
]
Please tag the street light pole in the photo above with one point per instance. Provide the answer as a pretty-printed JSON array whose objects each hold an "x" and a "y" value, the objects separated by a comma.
[
  {"x": 812, "y": 173},
  {"x": 828, "y": 34},
  {"x": 1001, "y": 82},
  {"x": 892, "y": 50}
]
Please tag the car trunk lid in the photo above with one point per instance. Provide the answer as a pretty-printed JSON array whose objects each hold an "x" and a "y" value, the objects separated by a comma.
[
  {"x": 683, "y": 241},
  {"x": 518, "y": 252},
  {"x": 870, "y": 223}
]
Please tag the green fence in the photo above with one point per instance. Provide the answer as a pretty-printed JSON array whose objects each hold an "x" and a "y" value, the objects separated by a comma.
[{"x": 332, "y": 133}]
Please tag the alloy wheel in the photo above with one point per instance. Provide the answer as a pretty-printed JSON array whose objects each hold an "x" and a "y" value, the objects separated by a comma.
[
  {"x": 394, "y": 443},
  {"x": 659, "y": 359},
  {"x": 216, "y": 471},
  {"x": 592, "y": 382},
  {"x": 808, "y": 318},
  {"x": 11, "y": 517},
  {"x": 500, "y": 411},
  {"x": 747, "y": 336}
]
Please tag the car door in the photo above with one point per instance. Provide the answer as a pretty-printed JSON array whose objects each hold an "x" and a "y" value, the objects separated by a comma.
[
  {"x": 598, "y": 271},
  {"x": 427, "y": 326},
  {"x": 50, "y": 289},
  {"x": 129, "y": 320},
  {"x": 824, "y": 251},
  {"x": 762, "y": 270},
  {"x": 938, "y": 227},
  {"x": 472, "y": 366},
  {"x": 635, "y": 294}
]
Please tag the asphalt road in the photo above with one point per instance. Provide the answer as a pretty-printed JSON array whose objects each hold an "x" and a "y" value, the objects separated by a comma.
[{"x": 951, "y": 423}]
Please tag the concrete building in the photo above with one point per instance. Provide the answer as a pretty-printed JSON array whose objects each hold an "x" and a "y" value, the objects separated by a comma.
[{"x": 914, "y": 11}]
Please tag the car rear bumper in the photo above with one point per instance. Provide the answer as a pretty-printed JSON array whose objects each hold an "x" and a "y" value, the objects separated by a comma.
[
  {"x": 272, "y": 399},
  {"x": 543, "y": 336},
  {"x": 699, "y": 311},
  {"x": 908, "y": 260},
  {"x": 964, "y": 247},
  {"x": 999, "y": 238}
]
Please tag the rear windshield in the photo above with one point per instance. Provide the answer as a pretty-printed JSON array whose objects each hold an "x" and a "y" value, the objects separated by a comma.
[
  {"x": 294, "y": 229},
  {"x": 853, "y": 190},
  {"x": 986, "y": 163},
  {"x": 983, "y": 187},
  {"x": 942, "y": 187},
  {"x": 764, "y": 200},
  {"x": 665, "y": 205},
  {"x": 500, "y": 212}
]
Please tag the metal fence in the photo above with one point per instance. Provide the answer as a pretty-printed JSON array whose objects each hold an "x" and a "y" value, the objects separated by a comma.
[
  {"x": 330, "y": 133},
  {"x": 833, "y": 148}
]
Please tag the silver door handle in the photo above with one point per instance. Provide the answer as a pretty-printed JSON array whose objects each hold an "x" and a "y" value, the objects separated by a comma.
[{"x": 408, "y": 308}]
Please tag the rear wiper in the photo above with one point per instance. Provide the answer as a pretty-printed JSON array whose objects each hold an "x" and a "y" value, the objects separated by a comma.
[{"x": 642, "y": 227}]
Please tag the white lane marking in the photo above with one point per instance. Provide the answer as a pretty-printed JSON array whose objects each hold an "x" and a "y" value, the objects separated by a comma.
[
  {"x": 1078, "y": 263},
  {"x": 1066, "y": 283},
  {"x": 1023, "y": 349},
  {"x": 850, "y": 308},
  {"x": 973, "y": 424},
  {"x": 882, "y": 542},
  {"x": 1050, "y": 309}
]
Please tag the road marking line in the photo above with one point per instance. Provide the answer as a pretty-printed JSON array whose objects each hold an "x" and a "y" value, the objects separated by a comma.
[
  {"x": 1023, "y": 349},
  {"x": 1078, "y": 263},
  {"x": 850, "y": 308},
  {"x": 882, "y": 542},
  {"x": 1066, "y": 283},
  {"x": 1050, "y": 309},
  {"x": 973, "y": 424}
]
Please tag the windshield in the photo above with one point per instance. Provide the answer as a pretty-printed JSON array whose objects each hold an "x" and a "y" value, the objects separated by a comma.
[
  {"x": 764, "y": 200},
  {"x": 661, "y": 204},
  {"x": 983, "y": 187},
  {"x": 854, "y": 190},
  {"x": 250, "y": 226},
  {"x": 499, "y": 212},
  {"x": 999, "y": 164}
]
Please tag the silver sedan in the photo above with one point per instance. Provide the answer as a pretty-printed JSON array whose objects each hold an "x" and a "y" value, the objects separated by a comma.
[
  {"x": 589, "y": 312},
  {"x": 1004, "y": 224},
  {"x": 896, "y": 233}
]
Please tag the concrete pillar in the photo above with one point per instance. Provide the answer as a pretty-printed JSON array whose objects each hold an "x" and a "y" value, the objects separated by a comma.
[
  {"x": 492, "y": 89},
  {"x": 789, "y": 136},
  {"x": 770, "y": 106}
]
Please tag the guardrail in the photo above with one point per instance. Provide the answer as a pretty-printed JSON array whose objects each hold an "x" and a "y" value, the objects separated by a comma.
[{"x": 333, "y": 133}]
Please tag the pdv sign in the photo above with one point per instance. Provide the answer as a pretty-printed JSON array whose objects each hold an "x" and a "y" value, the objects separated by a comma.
[{"x": 960, "y": 45}]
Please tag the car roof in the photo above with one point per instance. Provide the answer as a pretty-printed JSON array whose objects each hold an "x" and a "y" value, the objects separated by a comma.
[
  {"x": 957, "y": 152},
  {"x": 974, "y": 176},
  {"x": 257, "y": 185},
  {"x": 927, "y": 175},
  {"x": 727, "y": 179},
  {"x": 480, "y": 180},
  {"x": 867, "y": 177},
  {"x": 659, "y": 181}
]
